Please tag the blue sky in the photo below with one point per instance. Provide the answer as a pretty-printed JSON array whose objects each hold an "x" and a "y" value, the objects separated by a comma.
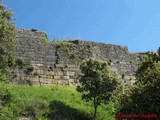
[{"x": 131, "y": 23}]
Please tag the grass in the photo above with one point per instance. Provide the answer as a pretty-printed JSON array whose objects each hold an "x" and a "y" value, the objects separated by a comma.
[{"x": 47, "y": 102}]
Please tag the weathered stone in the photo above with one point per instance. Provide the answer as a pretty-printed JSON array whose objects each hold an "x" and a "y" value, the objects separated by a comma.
[
  {"x": 71, "y": 66},
  {"x": 36, "y": 82},
  {"x": 57, "y": 77},
  {"x": 132, "y": 81},
  {"x": 71, "y": 80},
  {"x": 51, "y": 73},
  {"x": 66, "y": 77},
  {"x": 71, "y": 84},
  {"x": 56, "y": 72},
  {"x": 69, "y": 73},
  {"x": 49, "y": 81},
  {"x": 49, "y": 77},
  {"x": 59, "y": 65},
  {"x": 55, "y": 81},
  {"x": 35, "y": 79},
  {"x": 63, "y": 82},
  {"x": 39, "y": 65},
  {"x": 25, "y": 118},
  {"x": 50, "y": 62}
]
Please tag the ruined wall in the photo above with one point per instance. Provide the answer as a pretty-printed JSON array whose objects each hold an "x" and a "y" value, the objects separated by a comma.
[{"x": 58, "y": 62}]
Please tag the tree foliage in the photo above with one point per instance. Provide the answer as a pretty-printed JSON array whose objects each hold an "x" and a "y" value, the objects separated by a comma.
[
  {"x": 7, "y": 42},
  {"x": 97, "y": 82},
  {"x": 144, "y": 96}
]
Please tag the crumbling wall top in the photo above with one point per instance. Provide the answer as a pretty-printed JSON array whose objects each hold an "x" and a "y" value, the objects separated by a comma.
[{"x": 23, "y": 33}]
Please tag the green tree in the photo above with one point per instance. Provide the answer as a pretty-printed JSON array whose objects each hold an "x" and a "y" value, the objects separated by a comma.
[
  {"x": 7, "y": 42},
  {"x": 158, "y": 51},
  {"x": 143, "y": 97},
  {"x": 97, "y": 82}
]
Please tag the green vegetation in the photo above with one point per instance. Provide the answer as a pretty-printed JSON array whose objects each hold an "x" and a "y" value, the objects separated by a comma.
[
  {"x": 109, "y": 62},
  {"x": 45, "y": 41},
  {"x": 20, "y": 63},
  {"x": 68, "y": 49},
  {"x": 42, "y": 103},
  {"x": 29, "y": 70},
  {"x": 7, "y": 43},
  {"x": 72, "y": 50},
  {"x": 143, "y": 96},
  {"x": 97, "y": 82},
  {"x": 46, "y": 36}
]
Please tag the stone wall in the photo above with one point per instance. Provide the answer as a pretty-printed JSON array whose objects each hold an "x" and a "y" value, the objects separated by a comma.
[{"x": 58, "y": 62}]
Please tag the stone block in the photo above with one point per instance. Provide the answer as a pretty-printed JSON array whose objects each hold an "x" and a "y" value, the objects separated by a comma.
[
  {"x": 63, "y": 82},
  {"x": 66, "y": 77},
  {"x": 35, "y": 79},
  {"x": 56, "y": 72},
  {"x": 69, "y": 73},
  {"x": 49, "y": 81},
  {"x": 43, "y": 76},
  {"x": 40, "y": 65},
  {"x": 71, "y": 66},
  {"x": 46, "y": 81},
  {"x": 35, "y": 82},
  {"x": 41, "y": 79},
  {"x": 51, "y": 73},
  {"x": 71, "y": 80},
  {"x": 59, "y": 65},
  {"x": 55, "y": 81},
  {"x": 61, "y": 73},
  {"x": 132, "y": 81},
  {"x": 57, "y": 77},
  {"x": 47, "y": 72},
  {"x": 71, "y": 84},
  {"x": 31, "y": 48},
  {"x": 41, "y": 72},
  {"x": 49, "y": 77}
]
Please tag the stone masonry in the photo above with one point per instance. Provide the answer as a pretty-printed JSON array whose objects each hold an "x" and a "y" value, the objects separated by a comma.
[{"x": 58, "y": 62}]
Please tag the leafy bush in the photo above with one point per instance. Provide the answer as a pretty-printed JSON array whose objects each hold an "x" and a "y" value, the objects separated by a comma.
[
  {"x": 143, "y": 96},
  {"x": 36, "y": 109}
]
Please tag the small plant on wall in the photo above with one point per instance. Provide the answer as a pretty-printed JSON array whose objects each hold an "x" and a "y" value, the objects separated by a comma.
[
  {"x": 20, "y": 62},
  {"x": 29, "y": 70}
]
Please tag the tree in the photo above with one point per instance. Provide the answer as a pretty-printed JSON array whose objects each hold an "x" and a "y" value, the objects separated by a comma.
[
  {"x": 158, "y": 51},
  {"x": 97, "y": 82},
  {"x": 143, "y": 97},
  {"x": 7, "y": 42}
]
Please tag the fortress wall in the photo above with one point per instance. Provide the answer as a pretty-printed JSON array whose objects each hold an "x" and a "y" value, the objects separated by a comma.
[{"x": 55, "y": 64}]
